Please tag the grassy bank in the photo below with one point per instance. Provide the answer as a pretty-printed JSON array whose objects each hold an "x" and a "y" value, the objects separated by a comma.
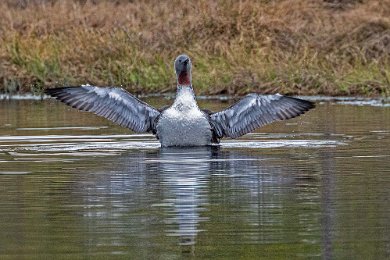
[{"x": 332, "y": 47}]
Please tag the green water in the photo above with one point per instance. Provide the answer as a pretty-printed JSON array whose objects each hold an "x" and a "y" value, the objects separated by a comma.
[{"x": 75, "y": 186}]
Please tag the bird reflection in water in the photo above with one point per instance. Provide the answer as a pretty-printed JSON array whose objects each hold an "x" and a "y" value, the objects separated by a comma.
[
  {"x": 172, "y": 190},
  {"x": 185, "y": 173}
]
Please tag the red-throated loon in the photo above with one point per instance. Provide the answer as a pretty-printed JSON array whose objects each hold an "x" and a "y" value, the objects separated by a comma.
[{"x": 183, "y": 123}]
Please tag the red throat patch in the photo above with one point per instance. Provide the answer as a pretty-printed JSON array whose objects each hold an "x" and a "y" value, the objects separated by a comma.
[{"x": 184, "y": 78}]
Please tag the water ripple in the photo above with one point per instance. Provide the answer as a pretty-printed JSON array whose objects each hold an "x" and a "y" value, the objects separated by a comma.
[{"x": 72, "y": 143}]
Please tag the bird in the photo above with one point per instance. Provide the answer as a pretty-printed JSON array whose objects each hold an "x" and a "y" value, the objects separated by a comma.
[{"x": 183, "y": 123}]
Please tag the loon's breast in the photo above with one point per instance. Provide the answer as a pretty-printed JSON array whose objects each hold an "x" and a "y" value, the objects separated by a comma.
[{"x": 183, "y": 126}]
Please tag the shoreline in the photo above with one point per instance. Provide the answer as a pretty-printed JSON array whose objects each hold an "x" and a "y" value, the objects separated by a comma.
[
  {"x": 346, "y": 100},
  {"x": 292, "y": 47}
]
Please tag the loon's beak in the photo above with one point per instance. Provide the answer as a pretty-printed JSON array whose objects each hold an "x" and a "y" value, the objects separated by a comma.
[{"x": 184, "y": 67}]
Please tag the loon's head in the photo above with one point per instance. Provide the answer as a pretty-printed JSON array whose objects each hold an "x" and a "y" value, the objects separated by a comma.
[{"x": 183, "y": 70}]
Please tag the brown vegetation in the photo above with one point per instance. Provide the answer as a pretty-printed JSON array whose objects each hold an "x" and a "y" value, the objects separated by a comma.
[{"x": 333, "y": 47}]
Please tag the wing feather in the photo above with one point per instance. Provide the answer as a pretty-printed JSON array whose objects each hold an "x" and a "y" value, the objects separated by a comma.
[
  {"x": 254, "y": 111},
  {"x": 115, "y": 104}
]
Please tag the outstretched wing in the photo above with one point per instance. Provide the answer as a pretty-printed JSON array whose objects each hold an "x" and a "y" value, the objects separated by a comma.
[
  {"x": 254, "y": 111},
  {"x": 115, "y": 104}
]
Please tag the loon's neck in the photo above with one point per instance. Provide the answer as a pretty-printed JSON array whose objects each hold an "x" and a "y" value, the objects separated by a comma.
[{"x": 185, "y": 97}]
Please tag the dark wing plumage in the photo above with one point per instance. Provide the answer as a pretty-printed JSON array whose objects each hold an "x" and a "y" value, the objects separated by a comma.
[
  {"x": 254, "y": 111},
  {"x": 115, "y": 104}
]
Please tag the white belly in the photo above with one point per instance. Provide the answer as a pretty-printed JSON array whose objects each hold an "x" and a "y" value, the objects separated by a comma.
[{"x": 183, "y": 128}]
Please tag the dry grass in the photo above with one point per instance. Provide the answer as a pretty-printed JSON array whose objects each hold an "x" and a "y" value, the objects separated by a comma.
[{"x": 333, "y": 47}]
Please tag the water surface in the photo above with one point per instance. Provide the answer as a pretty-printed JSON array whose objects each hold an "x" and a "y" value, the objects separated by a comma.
[{"x": 75, "y": 185}]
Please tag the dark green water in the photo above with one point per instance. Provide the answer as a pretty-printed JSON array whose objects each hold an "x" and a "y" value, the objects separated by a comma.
[{"x": 75, "y": 186}]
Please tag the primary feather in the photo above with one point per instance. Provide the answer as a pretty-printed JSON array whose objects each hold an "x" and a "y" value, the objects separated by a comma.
[
  {"x": 254, "y": 111},
  {"x": 115, "y": 104}
]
